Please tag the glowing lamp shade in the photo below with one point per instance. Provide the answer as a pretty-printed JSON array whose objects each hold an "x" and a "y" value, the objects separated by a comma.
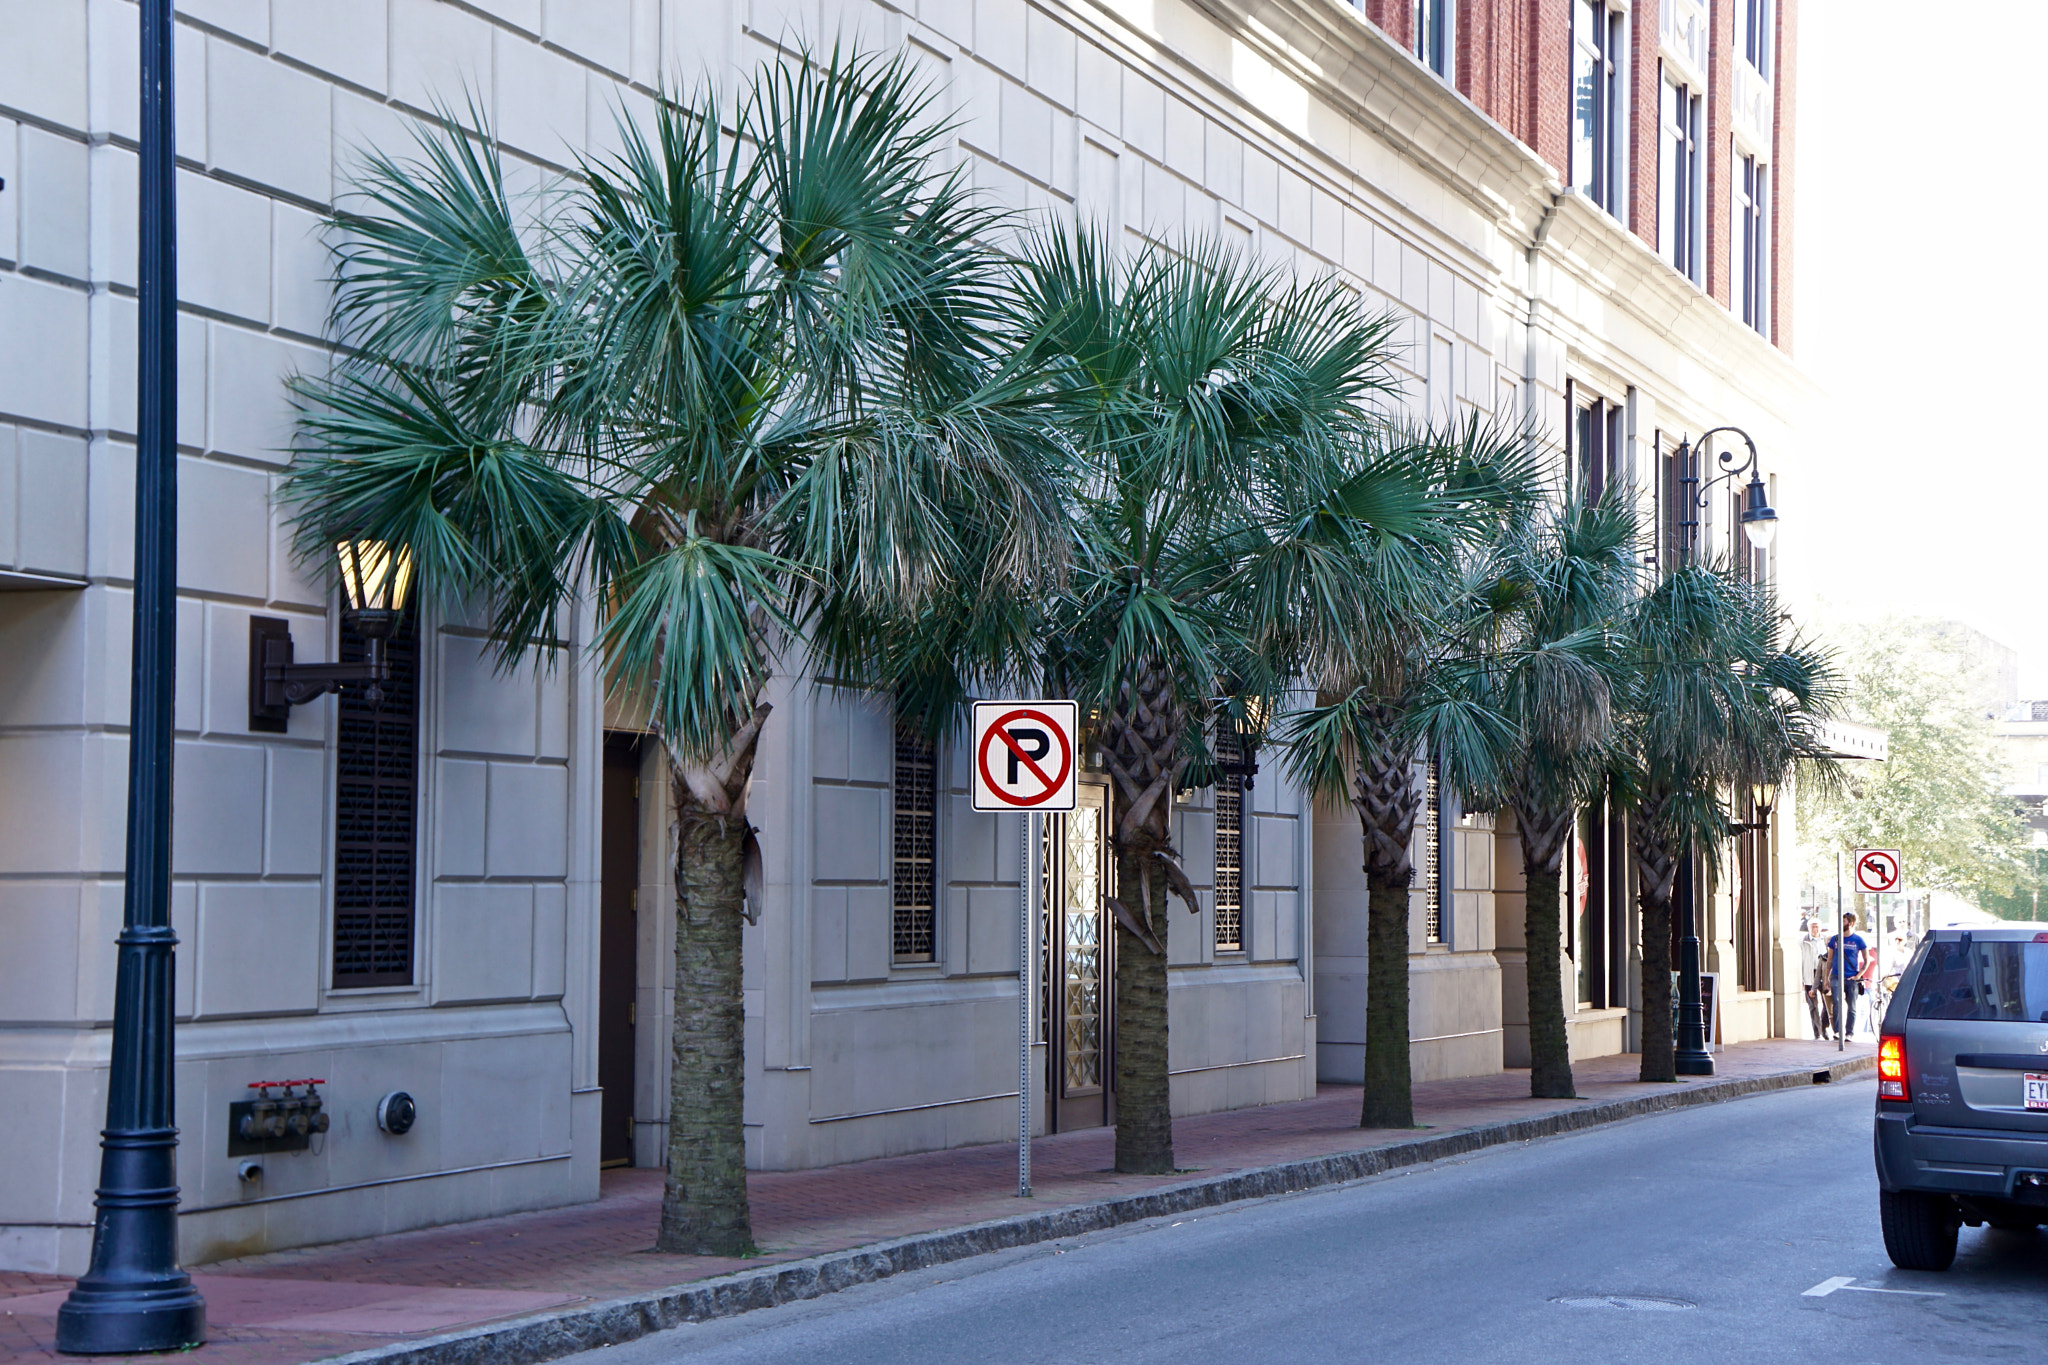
[
  {"x": 1759, "y": 518},
  {"x": 1764, "y": 796},
  {"x": 375, "y": 581}
]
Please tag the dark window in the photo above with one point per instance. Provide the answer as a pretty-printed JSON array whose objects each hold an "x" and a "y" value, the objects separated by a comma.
[
  {"x": 1752, "y": 911},
  {"x": 376, "y": 817},
  {"x": 1599, "y": 438},
  {"x": 913, "y": 883},
  {"x": 1229, "y": 846},
  {"x": 1752, "y": 254},
  {"x": 1756, "y": 34},
  {"x": 1984, "y": 981},
  {"x": 1678, "y": 504},
  {"x": 1681, "y": 201},
  {"x": 1599, "y": 112},
  {"x": 1433, "y": 35}
]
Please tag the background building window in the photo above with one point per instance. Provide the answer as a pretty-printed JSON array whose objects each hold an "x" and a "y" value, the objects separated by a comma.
[
  {"x": 376, "y": 803},
  {"x": 1433, "y": 37},
  {"x": 1431, "y": 869},
  {"x": 1681, "y": 197},
  {"x": 1754, "y": 41},
  {"x": 1677, "y": 503},
  {"x": 1599, "y": 444},
  {"x": 1229, "y": 844},
  {"x": 1751, "y": 294},
  {"x": 913, "y": 881},
  {"x": 1599, "y": 108}
]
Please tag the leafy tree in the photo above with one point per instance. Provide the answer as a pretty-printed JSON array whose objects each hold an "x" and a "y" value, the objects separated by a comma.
[
  {"x": 726, "y": 386},
  {"x": 1939, "y": 796},
  {"x": 1716, "y": 695}
]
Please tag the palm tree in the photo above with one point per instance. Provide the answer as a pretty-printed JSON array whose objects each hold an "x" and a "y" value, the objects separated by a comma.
[
  {"x": 724, "y": 385},
  {"x": 1547, "y": 655},
  {"x": 1716, "y": 695},
  {"x": 1395, "y": 676},
  {"x": 1205, "y": 403}
]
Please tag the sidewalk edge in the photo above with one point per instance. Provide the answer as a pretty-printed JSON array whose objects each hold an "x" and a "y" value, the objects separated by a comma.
[{"x": 552, "y": 1335}]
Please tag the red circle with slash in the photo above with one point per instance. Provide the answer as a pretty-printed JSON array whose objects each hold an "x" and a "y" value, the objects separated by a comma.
[{"x": 1000, "y": 731}]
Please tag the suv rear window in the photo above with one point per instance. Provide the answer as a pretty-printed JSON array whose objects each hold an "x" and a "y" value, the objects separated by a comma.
[{"x": 1990, "y": 981}]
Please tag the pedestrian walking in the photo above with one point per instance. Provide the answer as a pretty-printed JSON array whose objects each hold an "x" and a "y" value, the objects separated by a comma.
[
  {"x": 1809, "y": 973},
  {"x": 1849, "y": 959}
]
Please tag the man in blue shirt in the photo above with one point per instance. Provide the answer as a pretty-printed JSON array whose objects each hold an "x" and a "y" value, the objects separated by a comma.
[{"x": 1849, "y": 958}]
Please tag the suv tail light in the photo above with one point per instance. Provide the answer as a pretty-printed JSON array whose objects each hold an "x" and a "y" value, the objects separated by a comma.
[{"x": 1891, "y": 1068}]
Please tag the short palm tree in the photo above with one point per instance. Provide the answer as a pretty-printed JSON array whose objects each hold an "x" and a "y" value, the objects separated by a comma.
[
  {"x": 1715, "y": 695},
  {"x": 724, "y": 385},
  {"x": 1205, "y": 404},
  {"x": 1396, "y": 678},
  {"x": 1548, "y": 659}
]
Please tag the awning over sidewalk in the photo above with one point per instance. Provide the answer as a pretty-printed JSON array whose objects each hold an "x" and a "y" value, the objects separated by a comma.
[{"x": 1848, "y": 740}]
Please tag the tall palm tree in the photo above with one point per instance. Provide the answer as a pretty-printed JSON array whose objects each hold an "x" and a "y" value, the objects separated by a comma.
[
  {"x": 1205, "y": 403},
  {"x": 1716, "y": 695},
  {"x": 1548, "y": 659},
  {"x": 724, "y": 384},
  {"x": 1395, "y": 676}
]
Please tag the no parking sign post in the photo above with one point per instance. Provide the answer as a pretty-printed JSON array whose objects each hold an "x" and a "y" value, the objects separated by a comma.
[{"x": 1025, "y": 758}]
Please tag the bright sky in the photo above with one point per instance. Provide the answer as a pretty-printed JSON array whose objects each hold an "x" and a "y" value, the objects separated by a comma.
[{"x": 1921, "y": 305}]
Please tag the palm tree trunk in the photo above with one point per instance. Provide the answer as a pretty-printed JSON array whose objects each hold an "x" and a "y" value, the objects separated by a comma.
[
  {"x": 1141, "y": 744},
  {"x": 1144, "y": 1112},
  {"x": 1550, "y": 1051},
  {"x": 1656, "y": 870},
  {"x": 1387, "y": 798},
  {"x": 704, "y": 1210}
]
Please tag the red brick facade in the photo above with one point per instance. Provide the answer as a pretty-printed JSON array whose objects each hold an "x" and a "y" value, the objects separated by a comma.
[{"x": 1514, "y": 60}]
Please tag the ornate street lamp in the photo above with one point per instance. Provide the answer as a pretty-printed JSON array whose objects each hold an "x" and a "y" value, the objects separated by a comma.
[
  {"x": 134, "y": 1297},
  {"x": 1759, "y": 522}
]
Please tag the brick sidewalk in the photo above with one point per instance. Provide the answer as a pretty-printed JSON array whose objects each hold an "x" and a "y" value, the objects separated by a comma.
[{"x": 292, "y": 1306}]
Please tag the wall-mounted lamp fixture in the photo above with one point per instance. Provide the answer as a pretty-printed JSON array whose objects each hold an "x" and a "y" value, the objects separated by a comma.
[
  {"x": 1759, "y": 519},
  {"x": 375, "y": 581},
  {"x": 1763, "y": 798}
]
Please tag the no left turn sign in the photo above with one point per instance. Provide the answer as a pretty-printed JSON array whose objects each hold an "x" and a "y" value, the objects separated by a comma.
[
  {"x": 1878, "y": 870},
  {"x": 1024, "y": 755}
]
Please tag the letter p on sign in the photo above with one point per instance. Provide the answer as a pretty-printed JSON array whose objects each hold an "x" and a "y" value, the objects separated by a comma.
[{"x": 1025, "y": 755}]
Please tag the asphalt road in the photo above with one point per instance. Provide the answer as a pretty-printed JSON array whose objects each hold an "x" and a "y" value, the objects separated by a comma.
[{"x": 1737, "y": 1210}]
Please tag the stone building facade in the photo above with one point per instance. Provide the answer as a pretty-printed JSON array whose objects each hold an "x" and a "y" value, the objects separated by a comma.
[{"x": 1499, "y": 175}]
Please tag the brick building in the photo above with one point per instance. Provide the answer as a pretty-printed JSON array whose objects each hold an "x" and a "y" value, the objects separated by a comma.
[{"x": 1578, "y": 212}]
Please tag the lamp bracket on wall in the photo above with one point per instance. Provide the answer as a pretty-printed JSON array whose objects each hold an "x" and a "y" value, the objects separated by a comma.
[{"x": 277, "y": 684}]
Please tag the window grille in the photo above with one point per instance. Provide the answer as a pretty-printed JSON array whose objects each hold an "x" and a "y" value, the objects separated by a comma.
[
  {"x": 1229, "y": 844},
  {"x": 376, "y": 817},
  {"x": 913, "y": 884},
  {"x": 1432, "y": 850}
]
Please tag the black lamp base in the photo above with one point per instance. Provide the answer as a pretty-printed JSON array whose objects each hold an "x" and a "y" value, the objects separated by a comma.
[
  {"x": 125, "y": 1319},
  {"x": 1693, "y": 1063}
]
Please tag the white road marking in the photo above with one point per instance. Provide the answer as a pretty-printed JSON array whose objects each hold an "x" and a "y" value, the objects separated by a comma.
[{"x": 1834, "y": 1282}]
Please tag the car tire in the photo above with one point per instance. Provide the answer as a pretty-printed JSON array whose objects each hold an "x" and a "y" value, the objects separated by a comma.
[{"x": 1919, "y": 1229}]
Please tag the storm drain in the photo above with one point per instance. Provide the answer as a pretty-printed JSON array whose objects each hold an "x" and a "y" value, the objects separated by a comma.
[{"x": 1637, "y": 1303}]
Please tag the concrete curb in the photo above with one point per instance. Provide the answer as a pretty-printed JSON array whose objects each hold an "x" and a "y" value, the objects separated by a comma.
[{"x": 552, "y": 1335}]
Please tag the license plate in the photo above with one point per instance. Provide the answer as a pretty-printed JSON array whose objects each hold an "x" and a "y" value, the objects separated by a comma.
[{"x": 2036, "y": 1083}]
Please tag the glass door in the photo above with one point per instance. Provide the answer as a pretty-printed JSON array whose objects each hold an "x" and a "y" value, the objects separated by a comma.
[{"x": 1080, "y": 964}]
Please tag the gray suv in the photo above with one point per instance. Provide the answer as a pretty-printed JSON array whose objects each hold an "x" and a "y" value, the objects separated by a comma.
[{"x": 1962, "y": 1092}]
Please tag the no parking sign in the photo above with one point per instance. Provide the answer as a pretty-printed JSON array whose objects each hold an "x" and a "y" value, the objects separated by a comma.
[{"x": 1025, "y": 755}]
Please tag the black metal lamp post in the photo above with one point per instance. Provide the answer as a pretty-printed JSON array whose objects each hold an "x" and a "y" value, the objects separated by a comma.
[
  {"x": 134, "y": 1297},
  {"x": 1759, "y": 522}
]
